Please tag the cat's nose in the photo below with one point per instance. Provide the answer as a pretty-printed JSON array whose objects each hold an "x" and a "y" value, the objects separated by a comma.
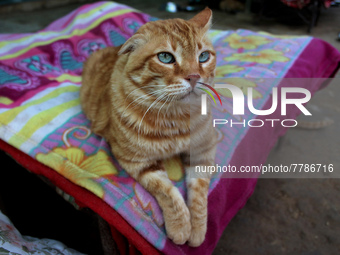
[{"x": 193, "y": 78}]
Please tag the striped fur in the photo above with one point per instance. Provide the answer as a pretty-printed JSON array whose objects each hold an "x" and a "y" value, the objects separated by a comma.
[{"x": 149, "y": 111}]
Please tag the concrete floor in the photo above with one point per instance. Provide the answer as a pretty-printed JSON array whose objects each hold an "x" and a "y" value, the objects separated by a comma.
[{"x": 284, "y": 216}]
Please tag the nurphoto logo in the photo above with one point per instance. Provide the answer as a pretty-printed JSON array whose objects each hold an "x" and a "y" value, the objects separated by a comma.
[{"x": 238, "y": 99}]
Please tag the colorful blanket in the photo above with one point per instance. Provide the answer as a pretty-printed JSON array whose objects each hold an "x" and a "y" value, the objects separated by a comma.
[{"x": 40, "y": 115}]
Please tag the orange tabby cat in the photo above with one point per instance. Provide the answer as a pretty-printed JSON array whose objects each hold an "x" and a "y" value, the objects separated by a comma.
[{"x": 142, "y": 98}]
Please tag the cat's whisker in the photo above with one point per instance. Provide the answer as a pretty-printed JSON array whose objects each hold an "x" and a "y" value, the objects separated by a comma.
[
  {"x": 142, "y": 88},
  {"x": 147, "y": 96},
  {"x": 167, "y": 98},
  {"x": 178, "y": 92},
  {"x": 156, "y": 101},
  {"x": 134, "y": 101},
  {"x": 176, "y": 89},
  {"x": 175, "y": 85},
  {"x": 172, "y": 99}
]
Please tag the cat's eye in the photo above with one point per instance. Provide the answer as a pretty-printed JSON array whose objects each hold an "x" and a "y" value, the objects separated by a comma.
[
  {"x": 166, "y": 58},
  {"x": 204, "y": 57}
]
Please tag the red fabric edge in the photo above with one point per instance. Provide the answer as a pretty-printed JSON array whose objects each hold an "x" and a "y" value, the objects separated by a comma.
[
  {"x": 83, "y": 198},
  {"x": 120, "y": 240}
]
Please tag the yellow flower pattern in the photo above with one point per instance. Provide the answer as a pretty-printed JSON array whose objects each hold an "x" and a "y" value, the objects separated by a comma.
[
  {"x": 73, "y": 164},
  {"x": 262, "y": 57},
  {"x": 174, "y": 168},
  {"x": 5, "y": 100},
  {"x": 222, "y": 71},
  {"x": 249, "y": 42},
  {"x": 282, "y": 36}
]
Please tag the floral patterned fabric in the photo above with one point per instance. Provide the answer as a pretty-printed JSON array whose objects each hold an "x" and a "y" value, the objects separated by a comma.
[{"x": 40, "y": 112}]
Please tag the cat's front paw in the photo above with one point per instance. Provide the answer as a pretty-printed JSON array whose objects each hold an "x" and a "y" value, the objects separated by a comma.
[
  {"x": 197, "y": 235},
  {"x": 179, "y": 228},
  {"x": 177, "y": 221}
]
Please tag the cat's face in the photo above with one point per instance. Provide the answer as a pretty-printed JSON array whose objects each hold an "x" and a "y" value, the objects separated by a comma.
[{"x": 168, "y": 58}]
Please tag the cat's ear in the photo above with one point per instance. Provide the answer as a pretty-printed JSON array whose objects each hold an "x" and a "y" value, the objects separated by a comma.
[
  {"x": 132, "y": 44},
  {"x": 202, "y": 19}
]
